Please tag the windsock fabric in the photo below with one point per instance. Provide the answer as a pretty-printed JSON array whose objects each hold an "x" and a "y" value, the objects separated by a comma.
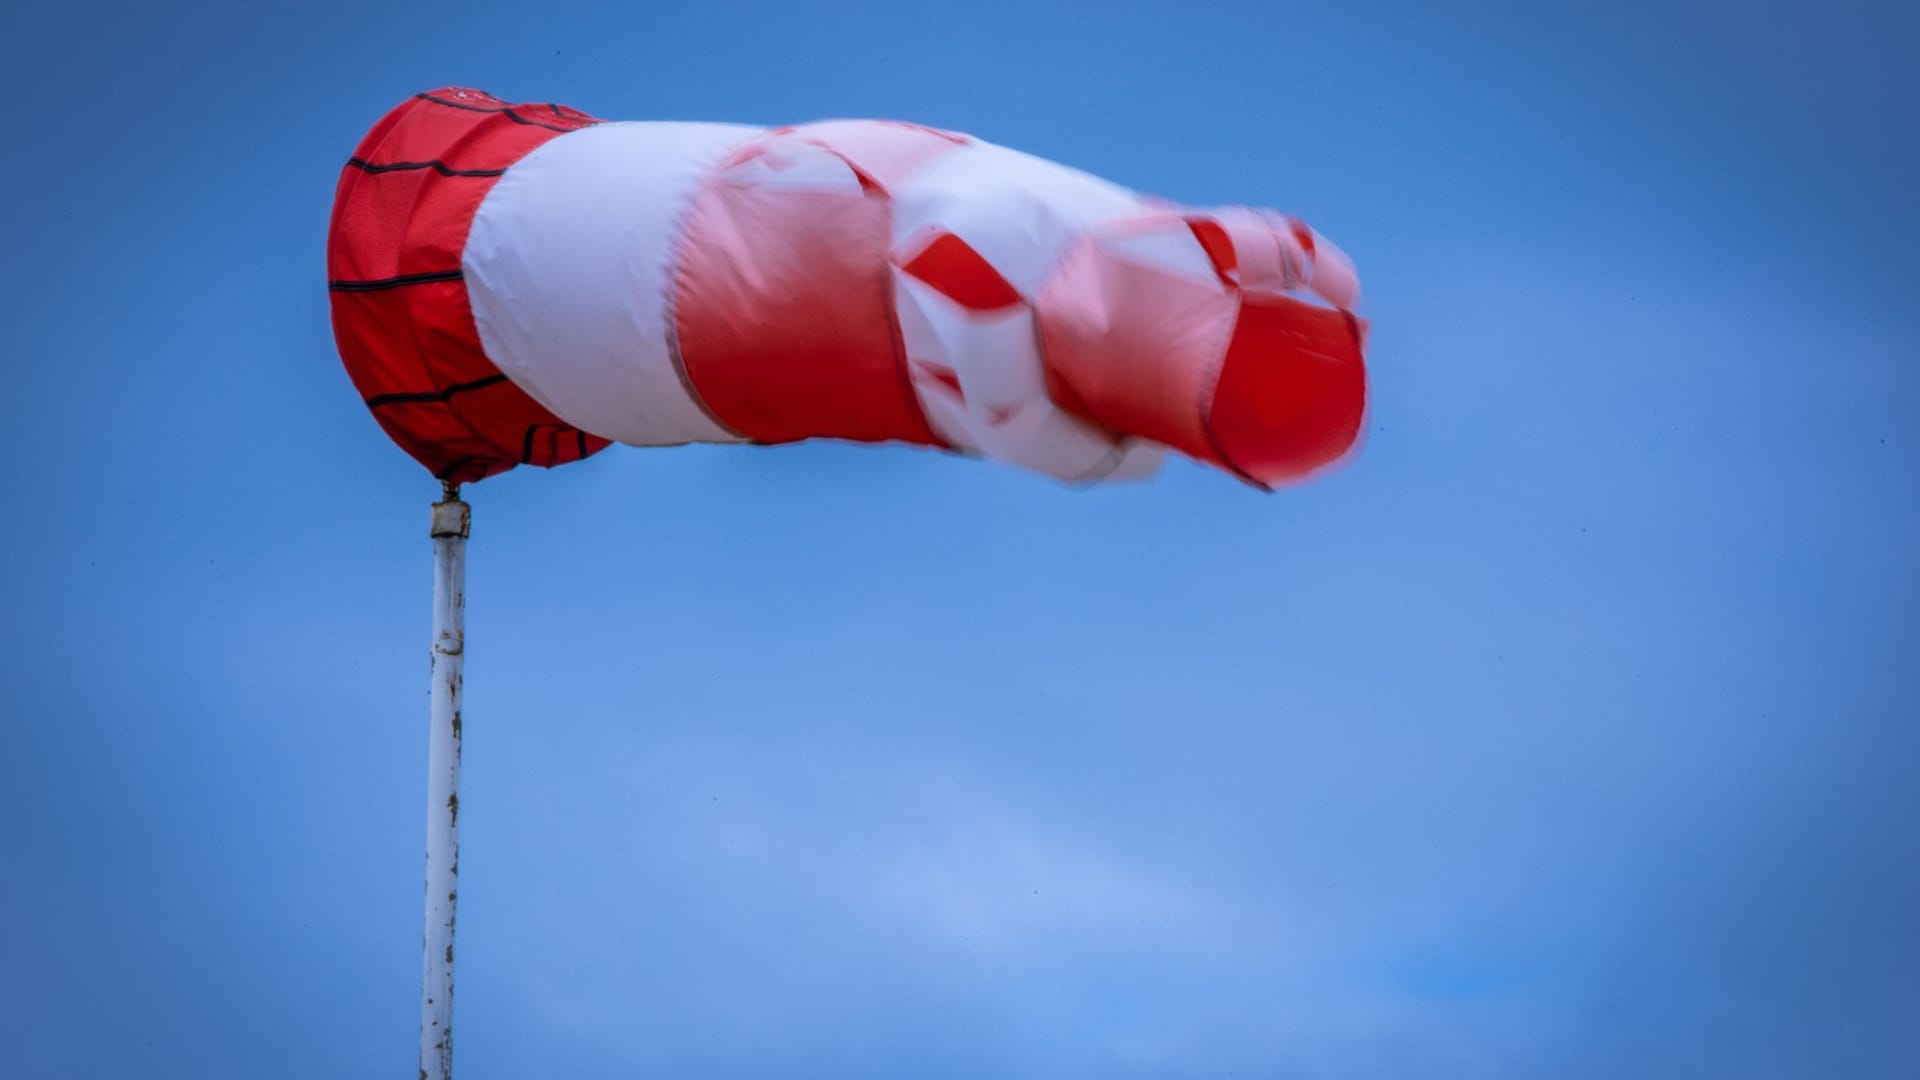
[{"x": 524, "y": 284}]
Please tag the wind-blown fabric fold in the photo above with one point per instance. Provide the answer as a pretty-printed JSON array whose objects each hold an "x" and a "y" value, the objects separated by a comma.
[{"x": 525, "y": 284}]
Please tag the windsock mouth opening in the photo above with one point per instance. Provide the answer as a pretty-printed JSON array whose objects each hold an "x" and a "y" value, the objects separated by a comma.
[{"x": 1290, "y": 398}]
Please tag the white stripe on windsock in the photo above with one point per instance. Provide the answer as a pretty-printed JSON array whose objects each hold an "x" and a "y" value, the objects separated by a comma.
[
  {"x": 1018, "y": 211},
  {"x": 995, "y": 356},
  {"x": 569, "y": 270}
]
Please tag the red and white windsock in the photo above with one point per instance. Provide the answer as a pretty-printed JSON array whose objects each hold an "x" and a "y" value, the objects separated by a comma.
[{"x": 525, "y": 284}]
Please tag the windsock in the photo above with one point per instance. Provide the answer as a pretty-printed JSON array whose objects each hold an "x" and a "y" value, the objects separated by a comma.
[{"x": 519, "y": 284}]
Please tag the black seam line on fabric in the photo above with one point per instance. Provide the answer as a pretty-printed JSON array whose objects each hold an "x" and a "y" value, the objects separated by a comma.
[
  {"x": 462, "y": 104},
  {"x": 423, "y": 396},
  {"x": 436, "y": 165},
  {"x": 583, "y": 443},
  {"x": 393, "y": 282},
  {"x": 505, "y": 110},
  {"x": 526, "y": 446}
]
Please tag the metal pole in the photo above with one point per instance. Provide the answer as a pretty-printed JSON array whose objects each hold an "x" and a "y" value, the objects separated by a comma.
[{"x": 451, "y": 520}]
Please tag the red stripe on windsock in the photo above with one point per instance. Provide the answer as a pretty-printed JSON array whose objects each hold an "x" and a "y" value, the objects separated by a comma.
[
  {"x": 401, "y": 214},
  {"x": 1292, "y": 391},
  {"x": 784, "y": 302}
]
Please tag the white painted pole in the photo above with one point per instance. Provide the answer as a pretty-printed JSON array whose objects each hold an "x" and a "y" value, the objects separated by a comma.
[{"x": 451, "y": 520}]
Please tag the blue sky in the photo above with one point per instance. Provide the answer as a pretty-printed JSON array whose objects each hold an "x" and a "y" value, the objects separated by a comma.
[{"x": 1568, "y": 731}]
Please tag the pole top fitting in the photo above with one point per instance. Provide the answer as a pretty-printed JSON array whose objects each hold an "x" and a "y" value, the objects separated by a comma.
[{"x": 451, "y": 518}]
